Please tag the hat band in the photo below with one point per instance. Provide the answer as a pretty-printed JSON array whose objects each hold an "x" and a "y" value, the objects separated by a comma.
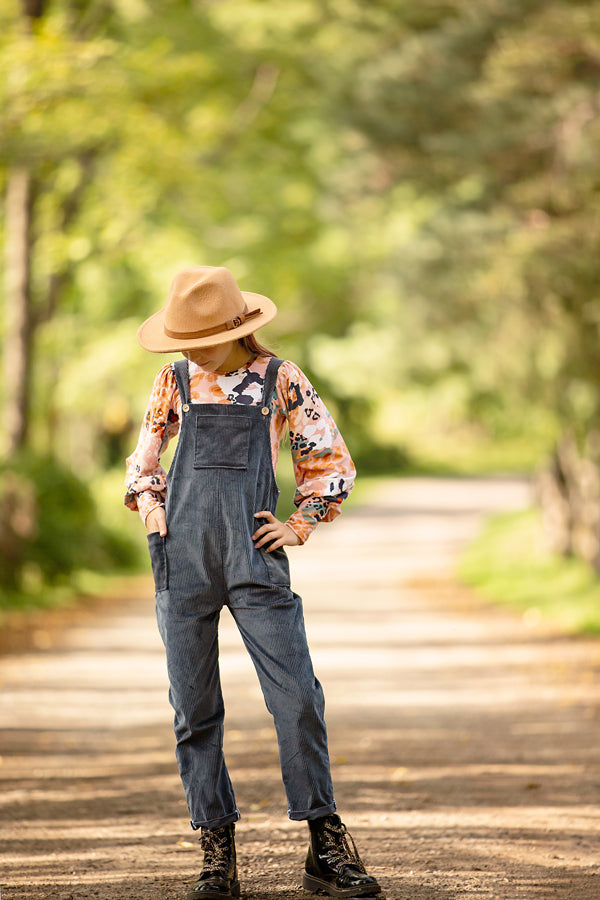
[{"x": 217, "y": 329}]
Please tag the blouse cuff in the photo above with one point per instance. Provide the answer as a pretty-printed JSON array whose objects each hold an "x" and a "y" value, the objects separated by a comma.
[
  {"x": 302, "y": 526},
  {"x": 312, "y": 511},
  {"x": 146, "y": 502}
]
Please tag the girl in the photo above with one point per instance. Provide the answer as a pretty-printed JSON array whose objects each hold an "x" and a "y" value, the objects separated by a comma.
[{"x": 216, "y": 542}]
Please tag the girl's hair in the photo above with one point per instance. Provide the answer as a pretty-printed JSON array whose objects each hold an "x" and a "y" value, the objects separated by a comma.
[{"x": 250, "y": 343}]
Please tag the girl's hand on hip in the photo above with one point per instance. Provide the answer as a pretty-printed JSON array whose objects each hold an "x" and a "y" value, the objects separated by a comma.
[
  {"x": 278, "y": 532},
  {"x": 156, "y": 520}
]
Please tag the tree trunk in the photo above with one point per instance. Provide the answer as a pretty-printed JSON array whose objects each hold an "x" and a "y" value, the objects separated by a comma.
[
  {"x": 18, "y": 331},
  {"x": 569, "y": 493}
]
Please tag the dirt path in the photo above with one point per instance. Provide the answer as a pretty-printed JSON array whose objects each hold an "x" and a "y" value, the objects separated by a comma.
[{"x": 464, "y": 741}]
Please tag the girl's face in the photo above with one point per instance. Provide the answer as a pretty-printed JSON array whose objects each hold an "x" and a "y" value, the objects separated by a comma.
[{"x": 221, "y": 358}]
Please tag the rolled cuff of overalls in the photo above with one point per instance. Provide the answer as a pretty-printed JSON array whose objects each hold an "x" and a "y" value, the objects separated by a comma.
[
  {"x": 312, "y": 813},
  {"x": 217, "y": 823}
]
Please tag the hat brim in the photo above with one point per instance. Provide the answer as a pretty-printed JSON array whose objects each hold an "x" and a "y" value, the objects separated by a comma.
[{"x": 151, "y": 333}]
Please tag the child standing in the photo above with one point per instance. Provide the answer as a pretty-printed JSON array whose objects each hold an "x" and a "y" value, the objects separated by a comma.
[{"x": 214, "y": 541}]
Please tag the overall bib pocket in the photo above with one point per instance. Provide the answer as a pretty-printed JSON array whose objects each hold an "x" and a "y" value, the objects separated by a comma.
[
  {"x": 222, "y": 442},
  {"x": 158, "y": 559}
]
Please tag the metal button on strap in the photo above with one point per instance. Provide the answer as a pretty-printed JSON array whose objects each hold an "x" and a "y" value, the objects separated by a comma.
[
  {"x": 265, "y": 410},
  {"x": 186, "y": 407}
]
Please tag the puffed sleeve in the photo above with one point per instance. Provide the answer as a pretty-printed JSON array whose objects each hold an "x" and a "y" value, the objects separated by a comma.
[
  {"x": 323, "y": 468},
  {"x": 146, "y": 480}
]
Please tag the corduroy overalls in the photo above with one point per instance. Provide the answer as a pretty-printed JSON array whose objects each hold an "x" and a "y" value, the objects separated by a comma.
[{"x": 221, "y": 475}]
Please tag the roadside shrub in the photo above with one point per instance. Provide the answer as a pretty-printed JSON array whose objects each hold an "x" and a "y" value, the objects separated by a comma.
[{"x": 49, "y": 526}]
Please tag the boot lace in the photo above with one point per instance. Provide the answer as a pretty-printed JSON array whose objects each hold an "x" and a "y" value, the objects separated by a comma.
[
  {"x": 337, "y": 841},
  {"x": 215, "y": 851}
]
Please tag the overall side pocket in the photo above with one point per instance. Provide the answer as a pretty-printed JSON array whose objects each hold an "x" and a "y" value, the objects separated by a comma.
[
  {"x": 158, "y": 559},
  {"x": 278, "y": 567}
]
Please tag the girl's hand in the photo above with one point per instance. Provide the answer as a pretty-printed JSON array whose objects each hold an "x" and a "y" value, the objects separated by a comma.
[
  {"x": 274, "y": 530},
  {"x": 156, "y": 520}
]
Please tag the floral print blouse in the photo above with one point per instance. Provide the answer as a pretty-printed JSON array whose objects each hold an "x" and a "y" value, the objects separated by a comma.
[{"x": 323, "y": 468}]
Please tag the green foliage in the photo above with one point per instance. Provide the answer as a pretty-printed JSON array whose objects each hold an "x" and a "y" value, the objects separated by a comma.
[
  {"x": 490, "y": 113},
  {"x": 510, "y": 564},
  {"x": 50, "y": 529}
]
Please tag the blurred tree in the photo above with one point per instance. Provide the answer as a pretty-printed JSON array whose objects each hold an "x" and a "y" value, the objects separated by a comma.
[
  {"x": 121, "y": 133},
  {"x": 492, "y": 111},
  {"x": 19, "y": 319}
]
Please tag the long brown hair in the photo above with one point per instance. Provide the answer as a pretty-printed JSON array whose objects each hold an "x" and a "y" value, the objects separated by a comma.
[{"x": 250, "y": 343}]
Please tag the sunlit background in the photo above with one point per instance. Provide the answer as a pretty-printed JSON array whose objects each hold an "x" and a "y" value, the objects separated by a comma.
[{"x": 414, "y": 183}]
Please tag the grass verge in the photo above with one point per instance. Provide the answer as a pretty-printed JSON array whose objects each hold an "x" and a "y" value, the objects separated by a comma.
[{"x": 511, "y": 565}]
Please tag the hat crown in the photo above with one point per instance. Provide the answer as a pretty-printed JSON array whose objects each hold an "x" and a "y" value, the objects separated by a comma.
[{"x": 202, "y": 297}]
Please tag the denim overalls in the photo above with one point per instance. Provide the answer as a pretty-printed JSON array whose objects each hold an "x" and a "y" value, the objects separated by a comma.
[{"x": 221, "y": 474}]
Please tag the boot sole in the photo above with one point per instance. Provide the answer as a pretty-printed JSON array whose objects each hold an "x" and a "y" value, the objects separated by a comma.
[
  {"x": 318, "y": 886},
  {"x": 216, "y": 895}
]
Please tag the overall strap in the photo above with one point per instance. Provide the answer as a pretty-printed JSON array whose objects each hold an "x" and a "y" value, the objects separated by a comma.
[
  {"x": 181, "y": 369},
  {"x": 270, "y": 381}
]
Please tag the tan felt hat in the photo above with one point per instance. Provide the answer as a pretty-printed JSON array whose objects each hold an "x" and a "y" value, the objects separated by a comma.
[{"x": 205, "y": 307}]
